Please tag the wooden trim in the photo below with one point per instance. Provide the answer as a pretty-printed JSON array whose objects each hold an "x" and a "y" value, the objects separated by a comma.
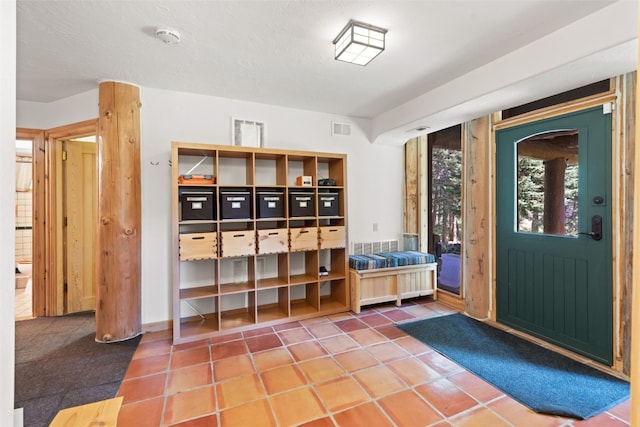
[
  {"x": 54, "y": 244},
  {"x": 451, "y": 300},
  {"x": 39, "y": 277},
  {"x": 165, "y": 325},
  {"x": 556, "y": 110},
  {"x": 619, "y": 209},
  {"x": 635, "y": 287},
  {"x": 493, "y": 203},
  {"x": 74, "y": 130},
  {"x": 626, "y": 173},
  {"x": 28, "y": 133}
]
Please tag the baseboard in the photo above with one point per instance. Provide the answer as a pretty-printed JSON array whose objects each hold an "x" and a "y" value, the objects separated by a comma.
[
  {"x": 451, "y": 300},
  {"x": 157, "y": 326},
  {"x": 18, "y": 417}
]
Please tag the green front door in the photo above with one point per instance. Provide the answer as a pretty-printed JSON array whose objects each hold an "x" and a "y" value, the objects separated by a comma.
[{"x": 553, "y": 233}]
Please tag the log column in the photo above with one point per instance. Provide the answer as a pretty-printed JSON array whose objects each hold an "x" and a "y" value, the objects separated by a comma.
[
  {"x": 118, "y": 261},
  {"x": 476, "y": 222},
  {"x": 554, "y": 214}
]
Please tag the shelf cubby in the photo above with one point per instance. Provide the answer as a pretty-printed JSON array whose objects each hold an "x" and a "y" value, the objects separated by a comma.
[
  {"x": 237, "y": 310},
  {"x": 305, "y": 299},
  {"x": 271, "y": 169},
  {"x": 334, "y": 295},
  {"x": 332, "y": 260},
  {"x": 195, "y": 328},
  {"x": 237, "y": 275},
  {"x": 194, "y": 161},
  {"x": 272, "y": 304},
  {"x": 301, "y": 165},
  {"x": 303, "y": 267},
  {"x": 235, "y": 168},
  {"x": 198, "y": 316},
  {"x": 272, "y": 270}
]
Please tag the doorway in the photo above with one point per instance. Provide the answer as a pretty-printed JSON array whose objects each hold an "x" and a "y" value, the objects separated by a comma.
[
  {"x": 23, "y": 302},
  {"x": 445, "y": 156},
  {"x": 48, "y": 246},
  {"x": 553, "y": 231}
]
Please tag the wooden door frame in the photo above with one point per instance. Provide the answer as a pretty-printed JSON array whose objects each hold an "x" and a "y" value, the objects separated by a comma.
[
  {"x": 38, "y": 234},
  {"x": 46, "y": 258}
]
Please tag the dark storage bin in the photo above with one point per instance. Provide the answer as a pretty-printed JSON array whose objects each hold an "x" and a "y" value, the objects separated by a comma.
[
  {"x": 328, "y": 204},
  {"x": 235, "y": 205},
  {"x": 301, "y": 204},
  {"x": 197, "y": 205},
  {"x": 270, "y": 204}
]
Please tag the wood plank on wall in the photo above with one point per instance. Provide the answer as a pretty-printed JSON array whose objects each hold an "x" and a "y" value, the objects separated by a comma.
[
  {"x": 476, "y": 222},
  {"x": 635, "y": 286},
  {"x": 626, "y": 216},
  {"x": 411, "y": 187}
]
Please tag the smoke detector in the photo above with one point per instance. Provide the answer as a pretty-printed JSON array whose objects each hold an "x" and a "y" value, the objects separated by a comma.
[{"x": 168, "y": 35}]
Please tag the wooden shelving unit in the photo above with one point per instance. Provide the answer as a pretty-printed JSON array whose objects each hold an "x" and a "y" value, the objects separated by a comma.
[{"x": 249, "y": 241}]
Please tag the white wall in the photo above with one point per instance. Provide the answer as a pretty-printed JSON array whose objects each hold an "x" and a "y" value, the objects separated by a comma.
[
  {"x": 7, "y": 213},
  {"x": 375, "y": 172},
  {"x": 77, "y": 108}
]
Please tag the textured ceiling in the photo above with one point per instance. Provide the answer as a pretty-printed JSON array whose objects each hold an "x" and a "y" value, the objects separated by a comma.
[{"x": 275, "y": 52}]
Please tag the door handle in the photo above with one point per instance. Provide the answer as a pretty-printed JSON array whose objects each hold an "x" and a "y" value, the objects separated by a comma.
[{"x": 596, "y": 228}]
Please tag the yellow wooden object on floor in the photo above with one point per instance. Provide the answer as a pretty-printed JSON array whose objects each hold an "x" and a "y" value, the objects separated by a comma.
[{"x": 103, "y": 413}]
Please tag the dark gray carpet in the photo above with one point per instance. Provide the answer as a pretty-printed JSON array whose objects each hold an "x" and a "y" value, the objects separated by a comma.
[
  {"x": 59, "y": 365},
  {"x": 539, "y": 378}
]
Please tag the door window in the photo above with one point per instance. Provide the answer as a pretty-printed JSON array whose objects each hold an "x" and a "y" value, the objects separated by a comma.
[{"x": 547, "y": 183}]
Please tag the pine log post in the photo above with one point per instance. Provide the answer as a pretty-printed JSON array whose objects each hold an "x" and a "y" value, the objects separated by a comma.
[
  {"x": 476, "y": 265},
  {"x": 118, "y": 261},
  {"x": 554, "y": 211}
]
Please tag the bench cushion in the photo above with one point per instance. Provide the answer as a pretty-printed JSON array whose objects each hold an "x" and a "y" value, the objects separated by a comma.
[{"x": 389, "y": 259}]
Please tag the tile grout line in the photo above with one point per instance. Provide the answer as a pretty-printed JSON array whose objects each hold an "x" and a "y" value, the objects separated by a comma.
[{"x": 346, "y": 372}]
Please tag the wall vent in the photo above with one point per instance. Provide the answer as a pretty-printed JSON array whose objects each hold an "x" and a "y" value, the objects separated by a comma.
[
  {"x": 374, "y": 247},
  {"x": 343, "y": 129}
]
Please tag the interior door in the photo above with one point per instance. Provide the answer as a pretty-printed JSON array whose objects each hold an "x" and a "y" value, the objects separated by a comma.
[
  {"x": 553, "y": 234},
  {"x": 80, "y": 218}
]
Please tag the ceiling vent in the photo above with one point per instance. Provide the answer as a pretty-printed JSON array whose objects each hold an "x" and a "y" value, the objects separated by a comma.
[{"x": 343, "y": 129}]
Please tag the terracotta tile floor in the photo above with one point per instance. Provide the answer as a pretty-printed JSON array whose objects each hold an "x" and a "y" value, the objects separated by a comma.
[{"x": 342, "y": 370}]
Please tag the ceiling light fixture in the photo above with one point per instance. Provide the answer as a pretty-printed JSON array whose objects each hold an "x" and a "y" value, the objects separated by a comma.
[
  {"x": 168, "y": 35},
  {"x": 359, "y": 43}
]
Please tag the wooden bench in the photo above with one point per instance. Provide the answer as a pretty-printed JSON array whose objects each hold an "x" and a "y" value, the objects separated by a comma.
[
  {"x": 392, "y": 284},
  {"x": 103, "y": 413}
]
